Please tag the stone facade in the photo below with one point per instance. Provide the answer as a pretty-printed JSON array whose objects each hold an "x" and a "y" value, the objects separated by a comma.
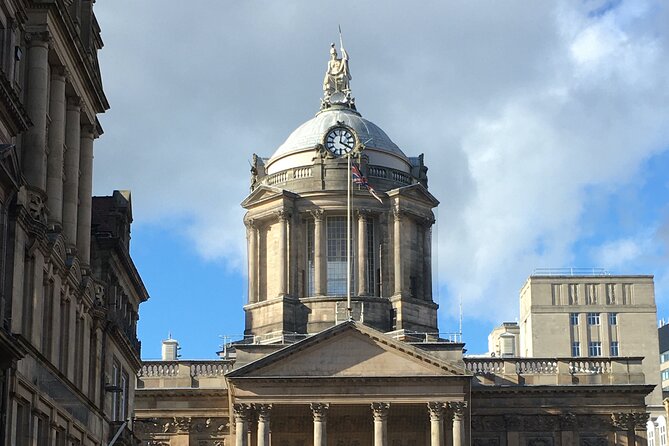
[{"x": 69, "y": 291}]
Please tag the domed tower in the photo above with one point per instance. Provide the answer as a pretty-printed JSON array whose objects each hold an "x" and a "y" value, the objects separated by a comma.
[{"x": 296, "y": 224}]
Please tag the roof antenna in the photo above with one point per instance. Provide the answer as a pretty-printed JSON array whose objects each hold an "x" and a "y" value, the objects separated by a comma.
[{"x": 460, "y": 318}]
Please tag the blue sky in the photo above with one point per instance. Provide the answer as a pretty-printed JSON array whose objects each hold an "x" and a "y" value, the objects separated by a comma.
[{"x": 545, "y": 130}]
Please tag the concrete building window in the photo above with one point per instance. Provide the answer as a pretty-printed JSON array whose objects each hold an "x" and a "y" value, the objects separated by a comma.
[
  {"x": 573, "y": 294},
  {"x": 664, "y": 374},
  {"x": 573, "y": 318},
  {"x": 556, "y": 292},
  {"x": 310, "y": 259},
  {"x": 593, "y": 318},
  {"x": 336, "y": 256},
  {"x": 664, "y": 357},
  {"x": 595, "y": 348},
  {"x": 591, "y": 294},
  {"x": 627, "y": 293},
  {"x": 575, "y": 349},
  {"x": 613, "y": 318},
  {"x": 614, "y": 348},
  {"x": 610, "y": 294}
]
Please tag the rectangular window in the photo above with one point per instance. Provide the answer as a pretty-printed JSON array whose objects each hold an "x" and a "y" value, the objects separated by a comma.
[
  {"x": 22, "y": 424},
  {"x": 613, "y": 318},
  {"x": 575, "y": 349},
  {"x": 573, "y": 318},
  {"x": 47, "y": 315},
  {"x": 42, "y": 432},
  {"x": 311, "y": 290},
  {"x": 627, "y": 293},
  {"x": 593, "y": 318},
  {"x": 116, "y": 395},
  {"x": 614, "y": 348},
  {"x": 664, "y": 374},
  {"x": 591, "y": 294},
  {"x": 664, "y": 357},
  {"x": 595, "y": 349},
  {"x": 60, "y": 437},
  {"x": 64, "y": 334},
  {"x": 556, "y": 293},
  {"x": 371, "y": 265},
  {"x": 573, "y": 294},
  {"x": 610, "y": 294},
  {"x": 336, "y": 256}
]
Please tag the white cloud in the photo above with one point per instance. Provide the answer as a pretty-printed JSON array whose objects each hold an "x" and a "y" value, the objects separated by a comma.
[{"x": 517, "y": 109}]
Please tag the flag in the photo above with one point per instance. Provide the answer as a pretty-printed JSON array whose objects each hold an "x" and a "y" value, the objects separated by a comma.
[{"x": 361, "y": 181}]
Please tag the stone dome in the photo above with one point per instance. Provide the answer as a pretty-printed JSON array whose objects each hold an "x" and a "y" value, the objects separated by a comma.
[{"x": 310, "y": 134}]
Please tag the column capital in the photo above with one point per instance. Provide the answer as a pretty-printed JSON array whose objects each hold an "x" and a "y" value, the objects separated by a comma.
[
  {"x": 363, "y": 214},
  {"x": 242, "y": 411},
  {"x": 250, "y": 223},
  {"x": 73, "y": 103},
  {"x": 380, "y": 411},
  {"x": 458, "y": 408},
  {"x": 320, "y": 411},
  {"x": 60, "y": 72},
  {"x": 90, "y": 131},
  {"x": 630, "y": 421},
  {"x": 38, "y": 38},
  {"x": 316, "y": 214},
  {"x": 263, "y": 411},
  {"x": 283, "y": 215},
  {"x": 436, "y": 410}
]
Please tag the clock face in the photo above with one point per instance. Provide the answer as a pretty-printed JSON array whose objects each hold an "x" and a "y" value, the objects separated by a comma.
[{"x": 339, "y": 141}]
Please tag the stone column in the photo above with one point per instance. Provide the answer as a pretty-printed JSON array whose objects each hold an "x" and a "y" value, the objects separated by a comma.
[
  {"x": 319, "y": 254},
  {"x": 242, "y": 413},
  {"x": 283, "y": 243},
  {"x": 54, "y": 186},
  {"x": 458, "y": 409},
  {"x": 252, "y": 238},
  {"x": 33, "y": 149},
  {"x": 320, "y": 412},
  {"x": 380, "y": 412},
  {"x": 436, "y": 410},
  {"x": 85, "y": 211},
  {"x": 397, "y": 251},
  {"x": 264, "y": 411},
  {"x": 362, "y": 254},
  {"x": 71, "y": 185}
]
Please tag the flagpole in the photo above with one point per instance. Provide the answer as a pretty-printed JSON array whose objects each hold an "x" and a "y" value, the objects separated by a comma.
[{"x": 349, "y": 311}]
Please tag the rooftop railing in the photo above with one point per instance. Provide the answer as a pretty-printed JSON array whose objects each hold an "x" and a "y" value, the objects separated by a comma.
[{"x": 594, "y": 272}]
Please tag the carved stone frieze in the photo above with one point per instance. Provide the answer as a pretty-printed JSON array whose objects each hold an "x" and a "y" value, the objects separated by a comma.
[
  {"x": 594, "y": 441},
  {"x": 540, "y": 441},
  {"x": 630, "y": 420},
  {"x": 208, "y": 426},
  {"x": 485, "y": 442},
  {"x": 568, "y": 421},
  {"x": 594, "y": 422},
  {"x": 513, "y": 422}
]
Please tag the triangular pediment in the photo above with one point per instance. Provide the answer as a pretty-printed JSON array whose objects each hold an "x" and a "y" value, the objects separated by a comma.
[
  {"x": 348, "y": 350},
  {"x": 263, "y": 194},
  {"x": 415, "y": 192}
]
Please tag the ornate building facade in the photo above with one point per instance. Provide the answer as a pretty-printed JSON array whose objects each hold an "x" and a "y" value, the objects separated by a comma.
[
  {"x": 69, "y": 292},
  {"x": 342, "y": 345}
]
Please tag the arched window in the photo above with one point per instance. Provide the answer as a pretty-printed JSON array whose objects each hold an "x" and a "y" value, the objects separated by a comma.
[{"x": 650, "y": 433}]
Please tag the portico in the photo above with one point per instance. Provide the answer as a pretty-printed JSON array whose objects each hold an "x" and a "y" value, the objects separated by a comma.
[{"x": 350, "y": 385}]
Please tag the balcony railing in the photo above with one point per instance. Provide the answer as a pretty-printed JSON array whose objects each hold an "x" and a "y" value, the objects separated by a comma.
[
  {"x": 614, "y": 370},
  {"x": 178, "y": 369}
]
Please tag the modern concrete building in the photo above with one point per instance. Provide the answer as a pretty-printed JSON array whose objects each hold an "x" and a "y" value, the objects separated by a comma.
[
  {"x": 313, "y": 369},
  {"x": 504, "y": 340},
  {"x": 69, "y": 292},
  {"x": 591, "y": 315}
]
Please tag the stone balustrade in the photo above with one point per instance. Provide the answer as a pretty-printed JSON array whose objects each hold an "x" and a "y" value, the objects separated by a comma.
[
  {"x": 179, "y": 374},
  {"x": 613, "y": 370}
]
